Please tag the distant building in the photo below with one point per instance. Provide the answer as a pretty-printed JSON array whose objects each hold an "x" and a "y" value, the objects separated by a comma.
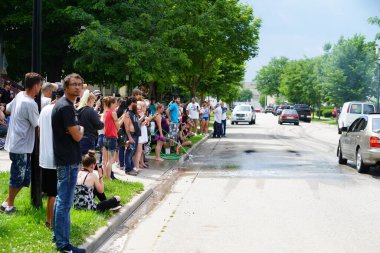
[{"x": 255, "y": 101}]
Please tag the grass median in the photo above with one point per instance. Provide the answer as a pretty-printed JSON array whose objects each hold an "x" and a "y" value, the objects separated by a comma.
[
  {"x": 25, "y": 230},
  {"x": 328, "y": 121}
]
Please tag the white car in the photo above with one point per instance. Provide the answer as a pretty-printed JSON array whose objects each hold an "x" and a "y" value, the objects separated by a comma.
[
  {"x": 243, "y": 113},
  {"x": 351, "y": 111}
]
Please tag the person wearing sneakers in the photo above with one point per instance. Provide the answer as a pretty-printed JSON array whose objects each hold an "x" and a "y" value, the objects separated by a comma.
[
  {"x": 67, "y": 134},
  {"x": 20, "y": 138},
  {"x": 89, "y": 184},
  {"x": 174, "y": 122}
]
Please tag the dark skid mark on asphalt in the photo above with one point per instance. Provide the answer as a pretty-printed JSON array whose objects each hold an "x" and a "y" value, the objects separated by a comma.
[{"x": 249, "y": 151}]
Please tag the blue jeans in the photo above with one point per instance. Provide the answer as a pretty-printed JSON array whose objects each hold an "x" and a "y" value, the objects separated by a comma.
[
  {"x": 87, "y": 143},
  {"x": 66, "y": 181},
  {"x": 121, "y": 156},
  {"x": 224, "y": 126},
  {"x": 100, "y": 145},
  {"x": 20, "y": 170},
  {"x": 129, "y": 153}
]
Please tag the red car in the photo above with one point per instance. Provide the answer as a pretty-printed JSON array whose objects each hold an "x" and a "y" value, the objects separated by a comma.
[{"x": 289, "y": 116}]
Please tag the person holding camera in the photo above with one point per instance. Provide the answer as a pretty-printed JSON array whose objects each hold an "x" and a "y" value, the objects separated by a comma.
[
  {"x": 89, "y": 184},
  {"x": 89, "y": 119}
]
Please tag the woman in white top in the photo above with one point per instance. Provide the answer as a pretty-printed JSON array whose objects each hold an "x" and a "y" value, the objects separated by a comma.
[{"x": 141, "y": 111}]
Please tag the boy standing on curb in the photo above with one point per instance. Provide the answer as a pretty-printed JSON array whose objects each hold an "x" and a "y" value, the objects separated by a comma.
[{"x": 20, "y": 138}]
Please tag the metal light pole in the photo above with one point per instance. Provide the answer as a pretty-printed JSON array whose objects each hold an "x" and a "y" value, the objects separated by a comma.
[{"x": 36, "y": 189}]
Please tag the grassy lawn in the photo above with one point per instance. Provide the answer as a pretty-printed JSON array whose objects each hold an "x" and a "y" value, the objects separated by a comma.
[
  {"x": 330, "y": 121},
  {"x": 25, "y": 231}
]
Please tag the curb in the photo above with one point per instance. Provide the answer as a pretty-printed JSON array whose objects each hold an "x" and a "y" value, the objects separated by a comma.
[{"x": 168, "y": 178}]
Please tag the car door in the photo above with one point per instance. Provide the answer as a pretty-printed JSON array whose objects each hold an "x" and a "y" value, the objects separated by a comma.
[
  {"x": 345, "y": 140},
  {"x": 353, "y": 138}
]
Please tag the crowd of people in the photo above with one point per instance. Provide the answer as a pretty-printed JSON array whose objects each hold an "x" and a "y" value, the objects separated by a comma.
[{"x": 73, "y": 123}]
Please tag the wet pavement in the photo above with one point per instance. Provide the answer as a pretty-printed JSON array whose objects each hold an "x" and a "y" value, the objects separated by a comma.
[{"x": 264, "y": 188}]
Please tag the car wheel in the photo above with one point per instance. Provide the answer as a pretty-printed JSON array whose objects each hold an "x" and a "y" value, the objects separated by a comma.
[
  {"x": 232, "y": 122},
  {"x": 339, "y": 131},
  {"x": 254, "y": 121},
  {"x": 280, "y": 122},
  {"x": 360, "y": 166},
  {"x": 237, "y": 123},
  {"x": 297, "y": 123},
  {"x": 341, "y": 160}
]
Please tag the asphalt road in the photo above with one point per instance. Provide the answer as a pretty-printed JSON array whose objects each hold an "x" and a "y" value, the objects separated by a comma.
[{"x": 264, "y": 188}]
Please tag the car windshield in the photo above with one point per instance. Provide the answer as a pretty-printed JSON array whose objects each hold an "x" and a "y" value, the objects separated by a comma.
[
  {"x": 242, "y": 108},
  {"x": 376, "y": 125},
  {"x": 288, "y": 111},
  {"x": 367, "y": 109}
]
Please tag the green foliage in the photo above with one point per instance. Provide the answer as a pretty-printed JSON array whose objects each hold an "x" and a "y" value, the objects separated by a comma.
[
  {"x": 245, "y": 95},
  {"x": 348, "y": 71},
  {"x": 25, "y": 231},
  {"x": 268, "y": 78}
]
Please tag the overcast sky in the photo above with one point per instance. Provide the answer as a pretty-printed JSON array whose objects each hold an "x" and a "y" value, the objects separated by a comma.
[{"x": 298, "y": 28}]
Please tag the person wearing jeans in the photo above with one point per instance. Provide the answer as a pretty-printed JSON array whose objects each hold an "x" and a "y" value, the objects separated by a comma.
[
  {"x": 67, "y": 134},
  {"x": 224, "y": 119}
]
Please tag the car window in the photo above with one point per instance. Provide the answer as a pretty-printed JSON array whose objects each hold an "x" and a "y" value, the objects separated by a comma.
[
  {"x": 353, "y": 125},
  {"x": 356, "y": 109},
  {"x": 361, "y": 125},
  {"x": 376, "y": 124},
  {"x": 367, "y": 109}
]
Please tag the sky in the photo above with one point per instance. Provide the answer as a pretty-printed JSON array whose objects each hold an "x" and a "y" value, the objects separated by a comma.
[{"x": 299, "y": 28}]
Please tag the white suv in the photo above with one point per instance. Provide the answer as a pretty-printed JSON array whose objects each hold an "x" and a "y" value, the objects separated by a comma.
[
  {"x": 351, "y": 111},
  {"x": 243, "y": 113}
]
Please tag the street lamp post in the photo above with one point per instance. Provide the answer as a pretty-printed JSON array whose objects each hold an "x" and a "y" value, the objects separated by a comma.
[{"x": 36, "y": 190}]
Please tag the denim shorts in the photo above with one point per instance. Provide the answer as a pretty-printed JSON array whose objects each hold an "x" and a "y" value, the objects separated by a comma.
[
  {"x": 20, "y": 170},
  {"x": 110, "y": 144}
]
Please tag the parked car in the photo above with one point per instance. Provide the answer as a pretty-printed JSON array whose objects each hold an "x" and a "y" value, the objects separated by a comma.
[
  {"x": 268, "y": 108},
  {"x": 351, "y": 111},
  {"x": 243, "y": 113},
  {"x": 361, "y": 142},
  {"x": 289, "y": 116},
  {"x": 280, "y": 109},
  {"x": 303, "y": 111}
]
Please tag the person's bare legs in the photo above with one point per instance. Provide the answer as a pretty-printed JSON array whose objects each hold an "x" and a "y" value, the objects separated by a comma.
[
  {"x": 104, "y": 157},
  {"x": 49, "y": 210},
  {"x": 110, "y": 161},
  {"x": 158, "y": 150},
  {"x": 13, "y": 191},
  {"x": 138, "y": 156}
]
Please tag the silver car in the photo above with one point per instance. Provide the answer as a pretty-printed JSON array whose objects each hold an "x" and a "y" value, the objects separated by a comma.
[{"x": 361, "y": 142}]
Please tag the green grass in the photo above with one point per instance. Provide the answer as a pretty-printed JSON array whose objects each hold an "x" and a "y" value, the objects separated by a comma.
[
  {"x": 325, "y": 120},
  {"x": 25, "y": 231}
]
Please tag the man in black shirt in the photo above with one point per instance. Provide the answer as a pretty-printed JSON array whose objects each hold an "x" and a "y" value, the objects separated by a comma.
[{"x": 66, "y": 136}]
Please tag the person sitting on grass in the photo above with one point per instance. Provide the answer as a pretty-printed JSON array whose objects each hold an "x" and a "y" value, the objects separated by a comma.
[
  {"x": 183, "y": 136},
  {"x": 88, "y": 183}
]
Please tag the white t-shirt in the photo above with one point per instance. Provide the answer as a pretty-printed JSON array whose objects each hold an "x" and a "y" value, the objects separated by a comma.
[
  {"x": 46, "y": 138},
  {"x": 24, "y": 120},
  {"x": 193, "y": 110},
  {"x": 45, "y": 101},
  {"x": 218, "y": 114}
]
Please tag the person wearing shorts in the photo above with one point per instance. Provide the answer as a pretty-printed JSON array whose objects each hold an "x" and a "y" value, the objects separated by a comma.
[
  {"x": 111, "y": 126},
  {"x": 20, "y": 138},
  {"x": 49, "y": 171},
  {"x": 174, "y": 122},
  {"x": 193, "y": 110}
]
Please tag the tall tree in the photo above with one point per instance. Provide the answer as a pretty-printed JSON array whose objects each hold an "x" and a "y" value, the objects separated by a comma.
[
  {"x": 268, "y": 78},
  {"x": 348, "y": 71}
]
